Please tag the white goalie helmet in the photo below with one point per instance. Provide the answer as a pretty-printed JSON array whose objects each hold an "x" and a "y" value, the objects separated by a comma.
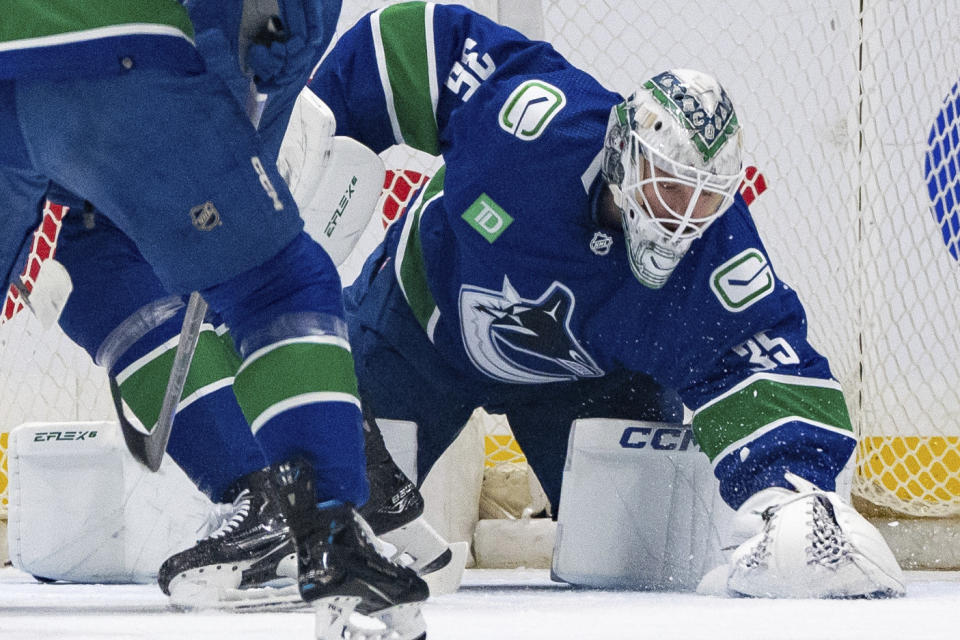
[{"x": 672, "y": 159}]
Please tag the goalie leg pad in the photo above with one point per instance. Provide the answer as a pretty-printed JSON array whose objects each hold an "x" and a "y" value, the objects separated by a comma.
[
  {"x": 83, "y": 510},
  {"x": 639, "y": 508},
  {"x": 336, "y": 181}
]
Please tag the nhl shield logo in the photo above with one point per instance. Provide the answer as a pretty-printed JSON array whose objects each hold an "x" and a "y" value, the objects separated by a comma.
[
  {"x": 600, "y": 243},
  {"x": 205, "y": 216}
]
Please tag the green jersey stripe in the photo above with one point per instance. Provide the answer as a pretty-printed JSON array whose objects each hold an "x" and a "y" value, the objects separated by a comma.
[
  {"x": 145, "y": 381},
  {"x": 301, "y": 401},
  {"x": 290, "y": 370},
  {"x": 29, "y": 20},
  {"x": 94, "y": 34},
  {"x": 762, "y": 400},
  {"x": 775, "y": 377},
  {"x": 410, "y": 267},
  {"x": 384, "y": 76},
  {"x": 404, "y": 34},
  {"x": 326, "y": 339}
]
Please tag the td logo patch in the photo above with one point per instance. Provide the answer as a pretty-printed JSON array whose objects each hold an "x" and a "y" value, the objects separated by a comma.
[
  {"x": 487, "y": 218},
  {"x": 742, "y": 280},
  {"x": 530, "y": 108}
]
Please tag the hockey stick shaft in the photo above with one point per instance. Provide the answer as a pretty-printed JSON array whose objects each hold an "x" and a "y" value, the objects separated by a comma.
[
  {"x": 186, "y": 347},
  {"x": 148, "y": 447}
]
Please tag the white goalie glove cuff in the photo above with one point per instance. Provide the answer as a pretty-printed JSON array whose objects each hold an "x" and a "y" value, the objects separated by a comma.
[{"x": 806, "y": 543}]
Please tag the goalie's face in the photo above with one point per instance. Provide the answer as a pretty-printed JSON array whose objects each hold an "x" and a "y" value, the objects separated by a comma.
[
  {"x": 679, "y": 206},
  {"x": 664, "y": 206},
  {"x": 672, "y": 161}
]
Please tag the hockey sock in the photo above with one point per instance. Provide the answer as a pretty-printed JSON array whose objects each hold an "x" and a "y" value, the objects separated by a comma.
[
  {"x": 300, "y": 397},
  {"x": 297, "y": 386},
  {"x": 210, "y": 440}
]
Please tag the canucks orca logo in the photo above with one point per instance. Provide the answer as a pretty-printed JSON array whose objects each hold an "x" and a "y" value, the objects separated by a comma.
[{"x": 527, "y": 341}]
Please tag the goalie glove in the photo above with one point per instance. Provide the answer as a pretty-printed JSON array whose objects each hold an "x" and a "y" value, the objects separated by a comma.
[{"x": 808, "y": 543}]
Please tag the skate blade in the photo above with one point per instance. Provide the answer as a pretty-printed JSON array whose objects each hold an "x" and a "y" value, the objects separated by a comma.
[
  {"x": 193, "y": 596},
  {"x": 337, "y": 619}
]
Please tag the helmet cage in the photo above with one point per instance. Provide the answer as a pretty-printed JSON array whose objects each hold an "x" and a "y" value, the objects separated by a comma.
[
  {"x": 672, "y": 160},
  {"x": 703, "y": 195}
]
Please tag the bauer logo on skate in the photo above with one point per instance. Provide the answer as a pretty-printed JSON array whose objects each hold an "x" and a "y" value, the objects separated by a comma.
[{"x": 672, "y": 438}]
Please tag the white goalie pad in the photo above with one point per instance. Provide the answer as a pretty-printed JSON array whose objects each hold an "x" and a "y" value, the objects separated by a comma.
[
  {"x": 640, "y": 508},
  {"x": 83, "y": 510},
  {"x": 336, "y": 181}
]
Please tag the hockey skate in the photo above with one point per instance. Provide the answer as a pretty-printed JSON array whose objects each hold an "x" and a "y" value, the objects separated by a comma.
[
  {"x": 358, "y": 592},
  {"x": 395, "y": 514},
  {"x": 248, "y": 562}
]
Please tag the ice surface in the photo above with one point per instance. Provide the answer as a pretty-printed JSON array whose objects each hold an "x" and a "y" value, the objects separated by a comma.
[{"x": 520, "y": 604}]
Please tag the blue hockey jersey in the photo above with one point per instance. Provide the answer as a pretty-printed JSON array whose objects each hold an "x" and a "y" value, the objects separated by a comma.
[{"x": 506, "y": 268}]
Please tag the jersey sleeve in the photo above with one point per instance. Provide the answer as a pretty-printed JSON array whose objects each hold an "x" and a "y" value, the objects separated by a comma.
[
  {"x": 764, "y": 400},
  {"x": 402, "y": 72}
]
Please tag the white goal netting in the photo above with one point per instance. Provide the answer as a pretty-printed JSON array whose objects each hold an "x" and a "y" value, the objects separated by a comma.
[{"x": 838, "y": 100}]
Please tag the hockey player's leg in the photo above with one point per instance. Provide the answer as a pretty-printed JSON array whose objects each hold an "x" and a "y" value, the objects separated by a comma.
[
  {"x": 297, "y": 389},
  {"x": 134, "y": 338}
]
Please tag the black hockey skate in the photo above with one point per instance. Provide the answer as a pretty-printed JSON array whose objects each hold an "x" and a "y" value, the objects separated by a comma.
[
  {"x": 394, "y": 511},
  {"x": 248, "y": 562},
  {"x": 341, "y": 569}
]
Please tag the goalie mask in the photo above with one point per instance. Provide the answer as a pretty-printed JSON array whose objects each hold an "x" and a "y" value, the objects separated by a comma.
[{"x": 672, "y": 161}]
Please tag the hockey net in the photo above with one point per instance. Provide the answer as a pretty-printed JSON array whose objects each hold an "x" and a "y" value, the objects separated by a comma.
[
  {"x": 851, "y": 112},
  {"x": 841, "y": 102}
]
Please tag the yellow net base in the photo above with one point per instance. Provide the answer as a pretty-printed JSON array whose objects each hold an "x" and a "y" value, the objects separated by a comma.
[
  {"x": 913, "y": 475},
  {"x": 4, "y": 494}
]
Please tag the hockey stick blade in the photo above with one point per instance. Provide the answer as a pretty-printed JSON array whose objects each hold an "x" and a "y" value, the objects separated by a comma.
[{"x": 148, "y": 447}]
